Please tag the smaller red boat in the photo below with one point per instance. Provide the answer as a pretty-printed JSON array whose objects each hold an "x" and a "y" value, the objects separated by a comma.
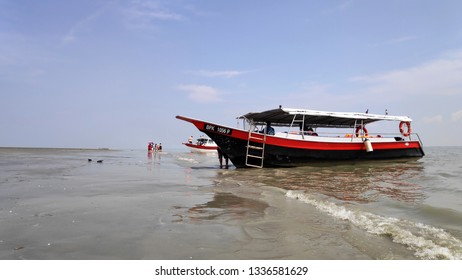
[{"x": 202, "y": 144}]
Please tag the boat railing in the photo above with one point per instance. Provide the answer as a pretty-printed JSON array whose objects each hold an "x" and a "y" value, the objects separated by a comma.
[
  {"x": 418, "y": 137},
  {"x": 345, "y": 133},
  {"x": 353, "y": 135}
]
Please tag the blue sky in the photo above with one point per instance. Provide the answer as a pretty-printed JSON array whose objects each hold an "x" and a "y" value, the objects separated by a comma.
[{"x": 97, "y": 73}]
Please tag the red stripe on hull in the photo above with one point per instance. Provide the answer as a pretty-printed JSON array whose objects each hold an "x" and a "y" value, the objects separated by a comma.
[
  {"x": 291, "y": 152},
  {"x": 201, "y": 147},
  {"x": 314, "y": 145}
]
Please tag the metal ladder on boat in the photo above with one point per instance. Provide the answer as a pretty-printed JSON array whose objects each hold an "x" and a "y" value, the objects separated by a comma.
[{"x": 255, "y": 154}]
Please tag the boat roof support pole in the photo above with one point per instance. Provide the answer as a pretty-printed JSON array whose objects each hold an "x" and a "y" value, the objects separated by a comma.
[
  {"x": 251, "y": 124},
  {"x": 293, "y": 120},
  {"x": 353, "y": 133},
  {"x": 363, "y": 136},
  {"x": 291, "y": 124}
]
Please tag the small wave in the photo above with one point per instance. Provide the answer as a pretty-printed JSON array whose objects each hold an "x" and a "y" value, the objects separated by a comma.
[
  {"x": 426, "y": 241},
  {"x": 188, "y": 159}
]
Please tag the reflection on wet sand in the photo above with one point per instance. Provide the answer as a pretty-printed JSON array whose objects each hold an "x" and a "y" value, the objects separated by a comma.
[
  {"x": 362, "y": 183},
  {"x": 227, "y": 206}
]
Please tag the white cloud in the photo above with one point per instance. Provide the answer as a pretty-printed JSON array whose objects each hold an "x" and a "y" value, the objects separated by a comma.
[
  {"x": 433, "y": 119},
  {"x": 402, "y": 39},
  {"x": 395, "y": 41},
  {"x": 201, "y": 93},
  {"x": 456, "y": 116},
  {"x": 153, "y": 13},
  {"x": 321, "y": 96},
  {"x": 223, "y": 74},
  {"x": 316, "y": 89},
  {"x": 435, "y": 78},
  {"x": 70, "y": 36},
  {"x": 345, "y": 5},
  {"x": 144, "y": 14}
]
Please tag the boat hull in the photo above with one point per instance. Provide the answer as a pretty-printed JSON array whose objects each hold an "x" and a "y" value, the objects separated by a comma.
[
  {"x": 201, "y": 148},
  {"x": 284, "y": 152}
]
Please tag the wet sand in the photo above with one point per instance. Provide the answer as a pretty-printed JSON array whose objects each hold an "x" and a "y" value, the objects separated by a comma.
[{"x": 55, "y": 204}]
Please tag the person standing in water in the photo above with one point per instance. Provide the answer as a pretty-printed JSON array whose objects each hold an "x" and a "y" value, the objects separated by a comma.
[{"x": 222, "y": 155}]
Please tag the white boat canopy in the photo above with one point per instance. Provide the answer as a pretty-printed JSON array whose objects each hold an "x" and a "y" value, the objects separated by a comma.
[{"x": 313, "y": 118}]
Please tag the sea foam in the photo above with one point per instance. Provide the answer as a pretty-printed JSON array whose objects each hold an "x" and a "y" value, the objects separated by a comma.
[{"x": 425, "y": 241}]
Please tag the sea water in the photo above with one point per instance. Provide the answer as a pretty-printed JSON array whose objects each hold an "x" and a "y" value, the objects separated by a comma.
[{"x": 57, "y": 204}]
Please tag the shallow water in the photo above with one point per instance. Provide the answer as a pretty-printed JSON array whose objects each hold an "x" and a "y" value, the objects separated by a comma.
[{"x": 55, "y": 204}]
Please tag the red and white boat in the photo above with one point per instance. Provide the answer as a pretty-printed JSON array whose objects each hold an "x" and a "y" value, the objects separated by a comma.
[
  {"x": 305, "y": 140},
  {"x": 202, "y": 144}
]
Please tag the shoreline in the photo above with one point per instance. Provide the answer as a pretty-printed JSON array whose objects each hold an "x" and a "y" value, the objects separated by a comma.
[{"x": 50, "y": 148}]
